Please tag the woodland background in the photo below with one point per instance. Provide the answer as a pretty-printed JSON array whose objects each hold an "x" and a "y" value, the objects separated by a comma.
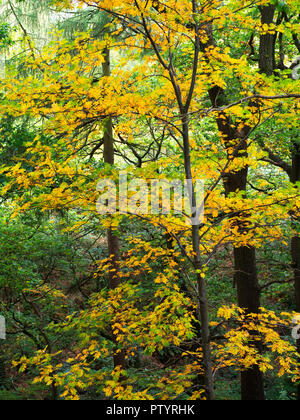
[{"x": 147, "y": 307}]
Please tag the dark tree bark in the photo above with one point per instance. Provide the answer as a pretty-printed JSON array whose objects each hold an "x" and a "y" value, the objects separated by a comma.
[
  {"x": 252, "y": 381},
  {"x": 293, "y": 171},
  {"x": 267, "y": 62},
  {"x": 267, "y": 65},
  {"x": 112, "y": 239},
  {"x": 245, "y": 268},
  {"x": 295, "y": 243}
]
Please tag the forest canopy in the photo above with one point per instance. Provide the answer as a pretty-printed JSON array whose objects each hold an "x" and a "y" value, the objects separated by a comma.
[{"x": 150, "y": 205}]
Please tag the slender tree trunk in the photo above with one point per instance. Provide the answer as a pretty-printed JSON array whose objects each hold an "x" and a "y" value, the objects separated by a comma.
[
  {"x": 201, "y": 283},
  {"x": 112, "y": 239}
]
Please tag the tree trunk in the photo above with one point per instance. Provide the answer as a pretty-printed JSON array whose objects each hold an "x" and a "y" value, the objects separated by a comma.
[
  {"x": 201, "y": 283},
  {"x": 112, "y": 239},
  {"x": 267, "y": 42},
  {"x": 246, "y": 281},
  {"x": 252, "y": 381},
  {"x": 267, "y": 66},
  {"x": 245, "y": 277},
  {"x": 295, "y": 244}
]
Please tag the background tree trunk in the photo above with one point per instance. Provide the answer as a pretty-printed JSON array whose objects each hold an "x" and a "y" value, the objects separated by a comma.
[
  {"x": 267, "y": 62},
  {"x": 295, "y": 243},
  {"x": 246, "y": 280},
  {"x": 245, "y": 268},
  {"x": 112, "y": 239}
]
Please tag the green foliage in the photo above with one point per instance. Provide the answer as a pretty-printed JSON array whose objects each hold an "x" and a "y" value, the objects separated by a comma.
[{"x": 5, "y": 36}]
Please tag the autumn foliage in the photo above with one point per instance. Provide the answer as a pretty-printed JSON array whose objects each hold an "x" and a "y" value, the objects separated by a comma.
[{"x": 166, "y": 90}]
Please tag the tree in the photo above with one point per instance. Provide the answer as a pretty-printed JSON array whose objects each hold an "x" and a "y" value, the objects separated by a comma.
[{"x": 174, "y": 76}]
